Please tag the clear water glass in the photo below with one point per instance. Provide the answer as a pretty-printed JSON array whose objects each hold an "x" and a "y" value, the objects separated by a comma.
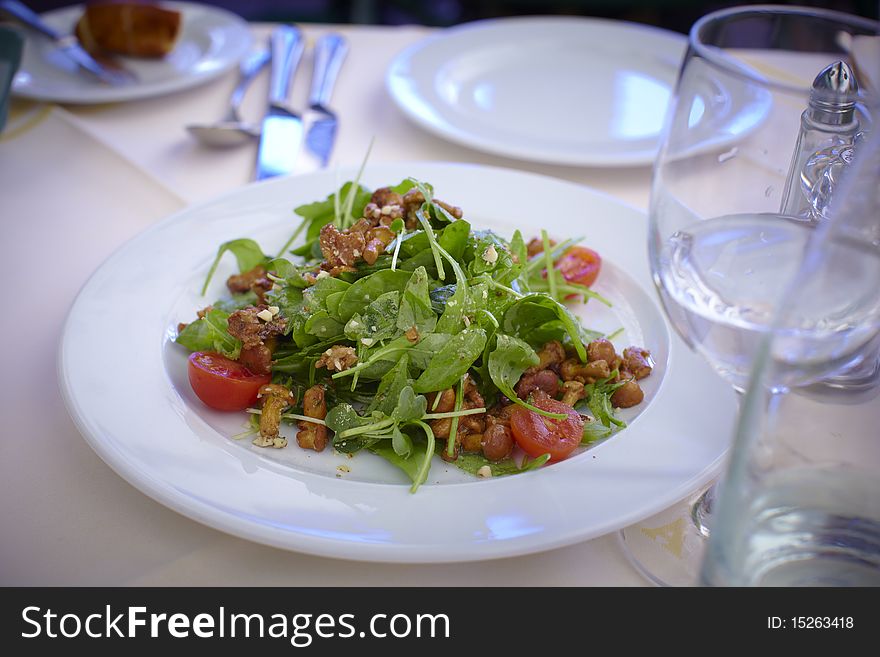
[
  {"x": 723, "y": 247},
  {"x": 800, "y": 504}
]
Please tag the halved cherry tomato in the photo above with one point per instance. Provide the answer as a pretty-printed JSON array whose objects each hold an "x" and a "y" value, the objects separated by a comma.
[
  {"x": 537, "y": 434},
  {"x": 581, "y": 265},
  {"x": 224, "y": 384}
]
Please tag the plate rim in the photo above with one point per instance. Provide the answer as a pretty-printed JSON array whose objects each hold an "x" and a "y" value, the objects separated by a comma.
[
  {"x": 335, "y": 547},
  {"x": 471, "y": 140},
  {"x": 99, "y": 95}
]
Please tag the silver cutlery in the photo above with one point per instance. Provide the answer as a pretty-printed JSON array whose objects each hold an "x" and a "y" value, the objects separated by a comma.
[
  {"x": 69, "y": 46},
  {"x": 231, "y": 130},
  {"x": 330, "y": 52},
  {"x": 282, "y": 129}
]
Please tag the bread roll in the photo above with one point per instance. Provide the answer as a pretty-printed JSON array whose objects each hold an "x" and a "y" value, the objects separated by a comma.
[{"x": 136, "y": 29}]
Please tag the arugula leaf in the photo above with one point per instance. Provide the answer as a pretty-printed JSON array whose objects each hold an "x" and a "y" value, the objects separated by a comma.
[
  {"x": 599, "y": 400},
  {"x": 247, "y": 253},
  {"x": 452, "y": 361},
  {"x": 210, "y": 333}
]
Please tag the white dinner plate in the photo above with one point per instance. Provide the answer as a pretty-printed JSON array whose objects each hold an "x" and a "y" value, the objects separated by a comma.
[
  {"x": 576, "y": 91},
  {"x": 124, "y": 382},
  {"x": 211, "y": 42}
]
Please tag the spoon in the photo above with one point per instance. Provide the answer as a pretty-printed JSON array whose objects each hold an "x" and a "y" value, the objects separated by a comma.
[{"x": 231, "y": 130}]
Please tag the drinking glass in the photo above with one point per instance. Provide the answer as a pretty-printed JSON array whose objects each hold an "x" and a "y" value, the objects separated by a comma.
[
  {"x": 769, "y": 105},
  {"x": 800, "y": 503}
]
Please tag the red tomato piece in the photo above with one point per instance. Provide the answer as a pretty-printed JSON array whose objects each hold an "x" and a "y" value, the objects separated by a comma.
[
  {"x": 537, "y": 434},
  {"x": 580, "y": 265},
  {"x": 223, "y": 384}
]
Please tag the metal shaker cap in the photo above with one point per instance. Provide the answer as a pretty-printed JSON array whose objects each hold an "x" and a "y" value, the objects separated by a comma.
[{"x": 832, "y": 97}]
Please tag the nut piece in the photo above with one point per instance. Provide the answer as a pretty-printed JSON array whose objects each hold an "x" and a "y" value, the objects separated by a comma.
[
  {"x": 275, "y": 399},
  {"x": 629, "y": 394},
  {"x": 574, "y": 391},
  {"x": 637, "y": 361},
  {"x": 337, "y": 358},
  {"x": 311, "y": 435}
]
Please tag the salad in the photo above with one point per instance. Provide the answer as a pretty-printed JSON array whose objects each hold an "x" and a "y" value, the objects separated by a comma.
[{"x": 398, "y": 329}]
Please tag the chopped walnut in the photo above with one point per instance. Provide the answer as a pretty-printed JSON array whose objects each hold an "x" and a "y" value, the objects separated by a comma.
[
  {"x": 275, "y": 399},
  {"x": 246, "y": 325},
  {"x": 551, "y": 354},
  {"x": 637, "y": 361},
  {"x": 629, "y": 394},
  {"x": 573, "y": 392},
  {"x": 254, "y": 279},
  {"x": 337, "y": 358},
  {"x": 536, "y": 246},
  {"x": 412, "y": 334},
  {"x": 341, "y": 249},
  {"x": 384, "y": 196},
  {"x": 413, "y": 200},
  {"x": 573, "y": 370}
]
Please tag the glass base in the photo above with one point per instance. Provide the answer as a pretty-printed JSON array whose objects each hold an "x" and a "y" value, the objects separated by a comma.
[{"x": 667, "y": 549}]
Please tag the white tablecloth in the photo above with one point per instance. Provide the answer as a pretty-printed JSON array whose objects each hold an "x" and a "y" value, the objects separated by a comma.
[{"x": 76, "y": 182}]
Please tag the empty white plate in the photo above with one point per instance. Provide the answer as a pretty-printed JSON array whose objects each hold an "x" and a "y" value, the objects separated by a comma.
[{"x": 564, "y": 90}]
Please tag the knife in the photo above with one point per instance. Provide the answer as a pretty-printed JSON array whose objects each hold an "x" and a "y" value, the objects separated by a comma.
[
  {"x": 282, "y": 130},
  {"x": 68, "y": 45},
  {"x": 330, "y": 52}
]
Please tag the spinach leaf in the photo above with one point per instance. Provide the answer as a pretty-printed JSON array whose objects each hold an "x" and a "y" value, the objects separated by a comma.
[
  {"x": 236, "y": 302},
  {"x": 210, "y": 334},
  {"x": 332, "y": 301},
  {"x": 316, "y": 295},
  {"x": 454, "y": 238},
  {"x": 532, "y": 311},
  {"x": 452, "y": 361},
  {"x": 422, "y": 353},
  {"x": 486, "y": 252},
  {"x": 366, "y": 290},
  {"x": 378, "y": 321},
  {"x": 411, "y": 464},
  {"x": 322, "y": 326},
  {"x": 471, "y": 463},
  {"x": 390, "y": 387},
  {"x": 247, "y": 253},
  {"x": 415, "y": 305}
]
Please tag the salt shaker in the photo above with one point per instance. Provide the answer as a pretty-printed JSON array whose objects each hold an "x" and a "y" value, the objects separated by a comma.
[{"x": 829, "y": 128}]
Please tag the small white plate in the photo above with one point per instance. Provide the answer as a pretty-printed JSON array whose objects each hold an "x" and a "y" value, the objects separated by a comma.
[
  {"x": 580, "y": 91},
  {"x": 124, "y": 382},
  {"x": 211, "y": 42}
]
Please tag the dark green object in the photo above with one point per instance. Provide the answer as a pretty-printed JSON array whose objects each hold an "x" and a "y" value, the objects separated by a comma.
[{"x": 11, "y": 44}]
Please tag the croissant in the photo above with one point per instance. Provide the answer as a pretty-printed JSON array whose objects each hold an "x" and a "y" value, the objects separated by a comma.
[{"x": 137, "y": 29}]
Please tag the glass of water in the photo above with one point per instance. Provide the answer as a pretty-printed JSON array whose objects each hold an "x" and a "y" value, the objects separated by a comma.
[
  {"x": 800, "y": 505},
  {"x": 770, "y": 105}
]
